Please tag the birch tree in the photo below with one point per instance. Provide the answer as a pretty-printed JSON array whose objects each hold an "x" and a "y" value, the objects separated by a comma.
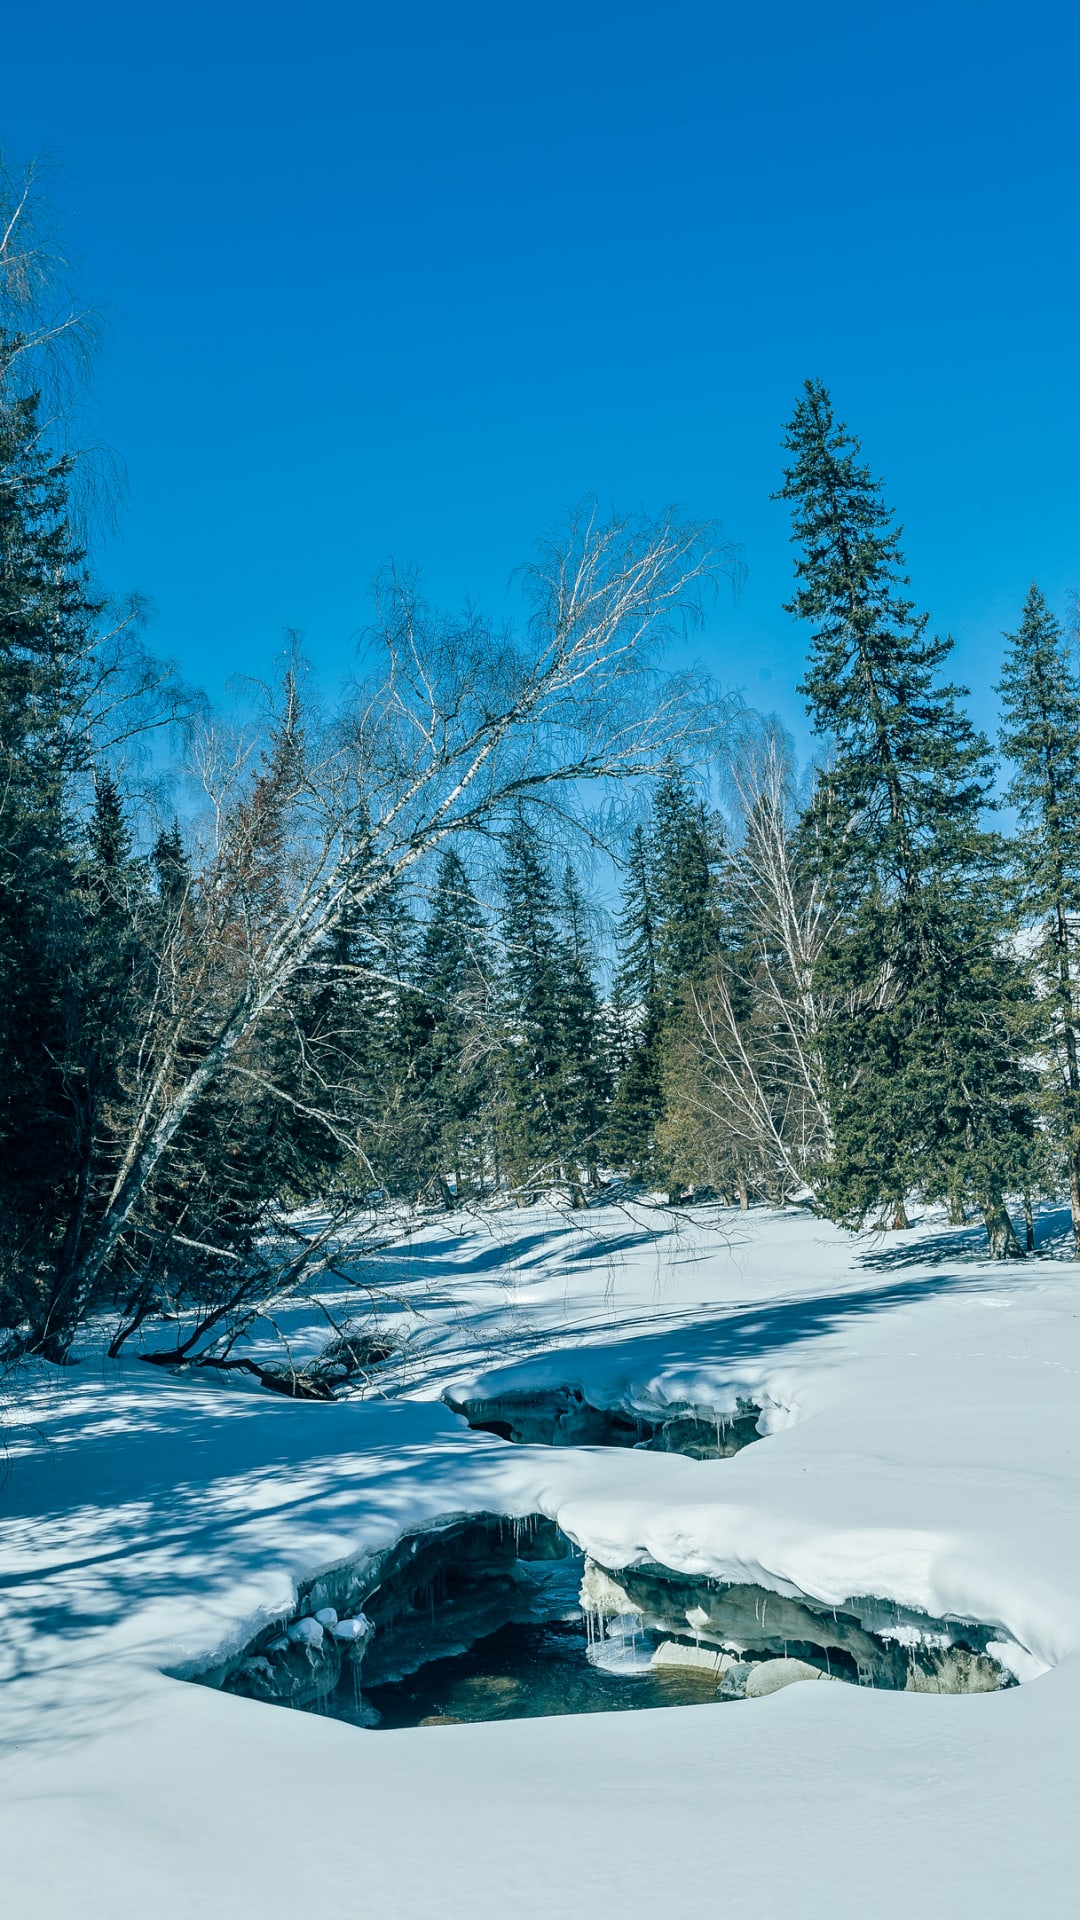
[
  {"x": 456, "y": 724},
  {"x": 744, "y": 1081}
]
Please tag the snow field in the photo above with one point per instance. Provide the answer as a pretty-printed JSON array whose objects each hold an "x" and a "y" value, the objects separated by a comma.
[{"x": 923, "y": 1447}]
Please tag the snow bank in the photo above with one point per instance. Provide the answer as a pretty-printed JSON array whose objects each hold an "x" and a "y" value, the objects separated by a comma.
[{"x": 923, "y": 1448}]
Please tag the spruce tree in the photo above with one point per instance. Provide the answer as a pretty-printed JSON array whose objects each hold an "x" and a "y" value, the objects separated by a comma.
[
  {"x": 637, "y": 926},
  {"x": 667, "y": 934},
  {"x": 551, "y": 1079},
  {"x": 438, "y": 1054},
  {"x": 271, "y": 1132},
  {"x": 47, "y": 615},
  {"x": 928, "y": 1088},
  {"x": 585, "y": 1088},
  {"x": 116, "y": 968},
  {"x": 636, "y": 1017},
  {"x": 455, "y": 973},
  {"x": 531, "y": 1145},
  {"x": 358, "y": 1025},
  {"x": 683, "y": 856},
  {"x": 1040, "y": 735}
]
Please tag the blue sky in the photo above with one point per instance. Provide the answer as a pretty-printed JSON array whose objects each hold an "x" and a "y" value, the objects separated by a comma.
[{"x": 407, "y": 282}]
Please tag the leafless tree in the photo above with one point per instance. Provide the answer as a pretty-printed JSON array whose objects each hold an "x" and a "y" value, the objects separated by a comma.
[
  {"x": 455, "y": 724},
  {"x": 745, "y": 1074}
]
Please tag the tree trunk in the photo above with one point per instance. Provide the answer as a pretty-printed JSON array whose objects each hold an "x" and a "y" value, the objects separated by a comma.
[
  {"x": 900, "y": 1220},
  {"x": 1072, "y": 1065},
  {"x": 1029, "y": 1224},
  {"x": 1000, "y": 1231},
  {"x": 957, "y": 1209},
  {"x": 1074, "y": 1196},
  {"x": 744, "y": 1197}
]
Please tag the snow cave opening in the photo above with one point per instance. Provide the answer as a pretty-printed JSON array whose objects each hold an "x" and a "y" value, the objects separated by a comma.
[
  {"x": 480, "y": 1617},
  {"x": 561, "y": 1416}
]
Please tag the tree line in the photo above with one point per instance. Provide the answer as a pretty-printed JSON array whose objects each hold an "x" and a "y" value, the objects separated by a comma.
[
  {"x": 358, "y": 968},
  {"x": 284, "y": 995},
  {"x": 890, "y": 1012}
]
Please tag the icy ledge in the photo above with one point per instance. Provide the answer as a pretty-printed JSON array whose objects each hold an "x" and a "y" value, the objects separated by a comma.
[
  {"x": 868, "y": 1642},
  {"x": 432, "y": 1593},
  {"x": 442, "y": 1587},
  {"x": 562, "y": 1416}
]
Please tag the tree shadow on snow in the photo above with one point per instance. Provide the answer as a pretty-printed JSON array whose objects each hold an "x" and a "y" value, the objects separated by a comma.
[{"x": 967, "y": 1244}]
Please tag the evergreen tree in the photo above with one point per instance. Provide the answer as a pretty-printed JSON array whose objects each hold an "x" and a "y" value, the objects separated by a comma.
[
  {"x": 683, "y": 855},
  {"x": 455, "y": 971},
  {"x": 171, "y": 870},
  {"x": 357, "y": 1027},
  {"x": 636, "y": 1019},
  {"x": 1040, "y": 734},
  {"x": 666, "y": 938},
  {"x": 47, "y": 615},
  {"x": 273, "y": 1130},
  {"x": 550, "y": 1077},
  {"x": 927, "y": 1086},
  {"x": 106, "y": 953},
  {"x": 586, "y": 1086},
  {"x": 637, "y": 972},
  {"x": 438, "y": 1055},
  {"x": 114, "y": 978}
]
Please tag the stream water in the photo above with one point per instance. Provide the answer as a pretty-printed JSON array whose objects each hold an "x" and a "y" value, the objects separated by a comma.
[{"x": 522, "y": 1672}]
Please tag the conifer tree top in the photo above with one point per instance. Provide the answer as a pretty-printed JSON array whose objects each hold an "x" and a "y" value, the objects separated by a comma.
[
  {"x": 1040, "y": 734},
  {"x": 911, "y": 771}
]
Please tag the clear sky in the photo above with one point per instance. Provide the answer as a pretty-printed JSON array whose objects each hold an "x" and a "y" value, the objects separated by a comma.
[{"x": 405, "y": 281}]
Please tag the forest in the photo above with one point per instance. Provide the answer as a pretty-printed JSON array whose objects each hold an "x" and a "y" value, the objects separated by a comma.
[{"x": 519, "y": 913}]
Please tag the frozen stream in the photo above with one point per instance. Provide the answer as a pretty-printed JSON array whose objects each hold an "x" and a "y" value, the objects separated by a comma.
[
  {"x": 562, "y": 1416},
  {"x": 919, "y": 1444},
  {"x": 483, "y": 1618},
  {"x": 479, "y": 1617},
  {"x": 527, "y": 1672}
]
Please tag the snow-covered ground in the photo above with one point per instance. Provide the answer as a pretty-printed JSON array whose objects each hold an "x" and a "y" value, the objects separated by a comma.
[{"x": 922, "y": 1420}]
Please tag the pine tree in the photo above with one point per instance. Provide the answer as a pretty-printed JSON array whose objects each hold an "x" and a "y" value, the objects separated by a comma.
[
  {"x": 47, "y": 615},
  {"x": 530, "y": 1142},
  {"x": 1040, "y": 696},
  {"x": 354, "y": 1012},
  {"x": 114, "y": 982},
  {"x": 683, "y": 855},
  {"x": 585, "y": 1078},
  {"x": 637, "y": 972},
  {"x": 636, "y": 1018},
  {"x": 551, "y": 1077},
  {"x": 439, "y": 1060},
  {"x": 666, "y": 938},
  {"x": 455, "y": 972},
  {"x": 927, "y": 1085},
  {"x": 271, "y": 1131}
]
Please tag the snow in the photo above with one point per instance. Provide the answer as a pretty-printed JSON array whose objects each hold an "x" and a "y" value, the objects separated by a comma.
[
  {"x": 770, "y": 1675},
  {"x": 922, "y": 1451},
  {"x": 358, "y": 1628},
  {"x": 306, "y": 1633}
]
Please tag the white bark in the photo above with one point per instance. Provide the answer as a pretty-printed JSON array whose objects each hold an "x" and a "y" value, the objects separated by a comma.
[
  {"x": 462, "y": 724},
  {"x": 757, "y": 1081}
]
